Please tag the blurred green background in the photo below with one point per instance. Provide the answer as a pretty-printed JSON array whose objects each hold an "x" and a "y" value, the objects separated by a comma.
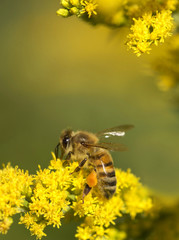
[{"x": 57, "y": 73}]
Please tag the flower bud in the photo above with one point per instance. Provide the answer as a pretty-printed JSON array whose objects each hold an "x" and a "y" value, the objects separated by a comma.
[
  {"x": 74, "y": 11},
  {"x": 65, "y": 3},
  {"x": 74, "y": 2},
  {"x": 62, "y": 12}
]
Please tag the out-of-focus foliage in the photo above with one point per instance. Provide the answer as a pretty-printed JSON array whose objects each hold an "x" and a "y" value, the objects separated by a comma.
[{"x": 166, "y": 65}]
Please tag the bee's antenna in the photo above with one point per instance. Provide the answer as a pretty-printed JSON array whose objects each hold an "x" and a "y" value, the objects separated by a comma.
[{"x": 57, "y": 150}]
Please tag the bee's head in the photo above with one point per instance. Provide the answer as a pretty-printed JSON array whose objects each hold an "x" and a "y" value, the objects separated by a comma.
[
  {"x": 65, "y": 139},
  {"x": 65, "y": 143}
]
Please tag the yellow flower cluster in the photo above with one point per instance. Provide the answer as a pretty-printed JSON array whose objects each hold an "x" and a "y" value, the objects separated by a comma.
[
  {"x": 14, "y": 188},
  {"x": 150, "y": 22},
  {"x": 130, "y": 198},
  {"x": 78, "y": 8},
  {"x": 150, "y": 29},
  {"x": 45, "y": 198},
  {"x": 49, "y": 200}
]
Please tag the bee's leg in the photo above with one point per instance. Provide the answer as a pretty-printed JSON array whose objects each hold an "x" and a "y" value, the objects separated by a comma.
[
  {"x": 81, "y": 164},
  {"x": 86, "y": 190},
  {"x": 68, "y": 156},
  {"x": 91, "y": 182},
  {"x": 57, "y": 150},
  {"x": 92, "y": 179}
]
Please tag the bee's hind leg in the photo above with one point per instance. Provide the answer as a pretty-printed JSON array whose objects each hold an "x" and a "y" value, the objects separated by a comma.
[
  {"x": 86, "y": 190},
  {"x": 91, "y": 182}
]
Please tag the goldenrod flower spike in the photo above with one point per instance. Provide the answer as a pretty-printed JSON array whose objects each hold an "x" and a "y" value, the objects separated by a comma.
[
  {"x": 150, "y": 29},
  {"x": 45, "y": 198}
]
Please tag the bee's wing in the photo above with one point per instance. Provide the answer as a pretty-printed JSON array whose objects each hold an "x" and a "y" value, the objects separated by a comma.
[
  {"x": 107, "y": 145},
  {"x": 118, "y": 131}
]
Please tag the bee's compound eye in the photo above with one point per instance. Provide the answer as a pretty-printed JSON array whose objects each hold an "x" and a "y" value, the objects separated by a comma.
[{"x": 66, "y": 141}]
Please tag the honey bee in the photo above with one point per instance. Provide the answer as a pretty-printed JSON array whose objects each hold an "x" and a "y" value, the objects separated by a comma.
[{"x": 86, "y": 148}]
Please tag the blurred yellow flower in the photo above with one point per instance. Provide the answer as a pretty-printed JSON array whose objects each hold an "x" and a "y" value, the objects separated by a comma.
[
  {"x": 166, "y": 65},
  {"x": 171, "y": 4},
  {"x": 165, "y": 83},
  {"x": 5, "y": 224},
  {"x": 115, "y": 234},
  {"x": 161, "y": 223}
]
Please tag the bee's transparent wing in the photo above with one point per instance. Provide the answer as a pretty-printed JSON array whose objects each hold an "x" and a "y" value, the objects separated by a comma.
[
  {"x": 118, "y": 131},
  {"x": 107, "y": 145}
]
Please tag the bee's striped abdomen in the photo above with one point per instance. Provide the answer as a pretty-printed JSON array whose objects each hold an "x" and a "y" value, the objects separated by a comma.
[{"x": 105, "y": 174}]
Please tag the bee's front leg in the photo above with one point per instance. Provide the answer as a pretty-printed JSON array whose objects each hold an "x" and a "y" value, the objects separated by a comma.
[
  {"x": 68, "y": 156},
  {"x": 57, "y": 150}
]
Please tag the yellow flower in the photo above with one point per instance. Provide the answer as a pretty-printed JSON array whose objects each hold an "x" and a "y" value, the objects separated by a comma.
[
  {"x": 150, "y": 29},
  {"x": 14, "y": 186},
  {"x": 27, "y": 219},
  {"x": 75, "y": 2},
  {"x": 89, "y": 6},
  {"x": 78, "y": 183},
  {"x": 83, "y": 232},
  {"x": 136, "y": 202},
  {"x": 86, "y": 208},
  {"x": 126, "y": 179},
  {"x": 77, "y": 7},
  {"x": 49, "y": 198},
  {"x": 35, "y": 228},
  {"x": 131, "y": 197},
  {"x": 5, "y": 225},
  {"x": 171, "y": 4},
  {"x": 116, "y": 234}
]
